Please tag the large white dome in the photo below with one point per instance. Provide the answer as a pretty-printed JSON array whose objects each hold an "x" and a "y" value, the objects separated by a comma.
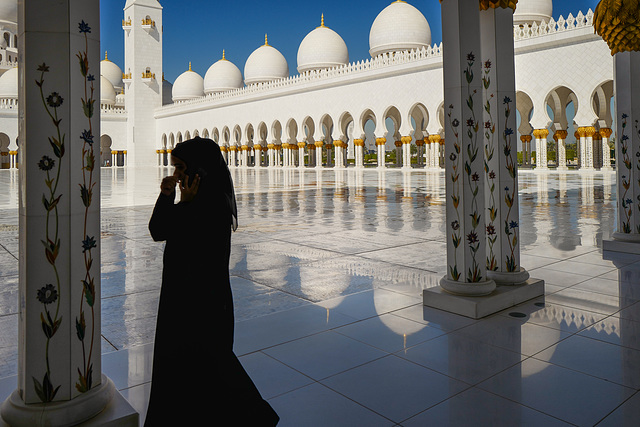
[
  {"x": 107, "y": 92},
  {"x": 265, "y": 64},
  {"x": 112, "y": 72},
  {"x": 222, "y": 76},
  {"x": 398, "y": 27},
  {"x": 188, "y": 85},
  {"x": 322, "y": 48},
  {"x": 9, "y": 84},
  {"x": 528, "y": 11},
  {"x": 9, "y": 12}
]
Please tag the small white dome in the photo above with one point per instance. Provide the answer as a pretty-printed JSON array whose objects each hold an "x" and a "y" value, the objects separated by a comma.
[
  {"x": 107, "y": 92},
  {"x": 322, "y": 48},
  {"x": 167, "y": 92},
  {"x": 398, "y": 27},
  {"x": 222, "y": 76},
  {"x": 188, "y": 85},
  {"x": 528, "y": 11},
  {"x": 112, "y": 72},
  {"x": 9, "y": 12},
  {"x": 120, "y": 100},
  {"x": 265, "y": 64},
  {"x": 9, "y": 84}
]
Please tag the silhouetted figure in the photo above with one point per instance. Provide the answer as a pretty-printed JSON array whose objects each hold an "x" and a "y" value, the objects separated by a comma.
[{"x": 197, "y": 379}]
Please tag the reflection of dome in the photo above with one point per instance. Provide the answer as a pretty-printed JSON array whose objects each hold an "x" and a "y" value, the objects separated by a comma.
[
  {"x": 265, "y": 64},
  {"x": 167, "y": 92},
  {"x": 398, "y": 27},
  {"x": 528, "y": 11},
  {"x": 322, "y": 48},
  {"x": 9, "y": 12},
  {"x": 222, "y": 76},
  {"x": 112, "y": 72},
  {"x": 107, "y": 92},
  {"x": 188, "y": 85},
  {"x": 9, "y": 84}
]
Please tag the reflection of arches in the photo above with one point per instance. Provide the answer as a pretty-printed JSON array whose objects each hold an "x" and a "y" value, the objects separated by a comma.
[{"x": 105, "y": 150}]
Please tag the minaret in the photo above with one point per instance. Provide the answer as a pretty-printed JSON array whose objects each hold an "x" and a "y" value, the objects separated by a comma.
[{"x": 142, "y": 25}]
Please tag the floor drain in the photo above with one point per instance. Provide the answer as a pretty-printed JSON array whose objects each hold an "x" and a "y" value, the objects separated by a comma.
[
  {"x": 517, "y": 314},
  {"x": 540, "y": 304}
]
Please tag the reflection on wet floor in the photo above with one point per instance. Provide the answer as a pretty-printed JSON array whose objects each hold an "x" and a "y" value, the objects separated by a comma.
[{"x": 328, "y": 268}]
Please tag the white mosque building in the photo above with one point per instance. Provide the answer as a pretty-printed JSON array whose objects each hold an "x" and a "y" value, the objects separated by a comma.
[{"x": 333, "y": 111}]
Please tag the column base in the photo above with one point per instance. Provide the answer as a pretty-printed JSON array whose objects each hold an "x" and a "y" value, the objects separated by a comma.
[
  {"x": 622, "y": 242},
  {"x": 103, "y": 405},
  {"x": 606, "y": 169},
  {"x": 504, "y": 278},
  {"x": 467, "y": 289},
  {"x": 502, "y": 298}
]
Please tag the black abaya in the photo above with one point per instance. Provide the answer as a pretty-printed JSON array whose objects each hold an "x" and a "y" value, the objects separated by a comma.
[{"x": 197, "y": 379}]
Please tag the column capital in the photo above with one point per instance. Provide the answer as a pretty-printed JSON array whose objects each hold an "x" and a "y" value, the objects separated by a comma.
[
  {"x": 540, "y": 133},
  {"x": 337, "y": 143},
  {"x": 398, "y": 143},
  {"x": 435, "y": 138},
  {"x": 525, "y": 138},
  {"x": 269, "y": 146},
  {"x": 606, "y": 132},
  {"x": 406, "y": 139},
  {"x": 381, "y": 141},
  {"x": 302, "y": 144},
  {"x": 419, "y": 142},
  {"x": 358, "y": 142},
  {"x": 560, "y": 134},
  {"x": 587, "y": 131},
  {"x": 319, "y": 143},
  {"x": 285, "y": 145}
]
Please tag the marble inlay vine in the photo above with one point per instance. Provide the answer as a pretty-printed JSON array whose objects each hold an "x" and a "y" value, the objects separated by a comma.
[
  {"x": 625, "y": 178},
  {"x": 637, "y": 129},
  {"x": 511, "y": 192},
  {"x": 49, "y": 293},
  {"x": 489, "y": 152},
  {"x": 85, "y": 375},
  {"x": 473, "y": 233}
]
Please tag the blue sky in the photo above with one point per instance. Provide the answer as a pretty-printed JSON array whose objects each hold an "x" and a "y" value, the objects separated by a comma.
[{"x": 197, "y": 31}]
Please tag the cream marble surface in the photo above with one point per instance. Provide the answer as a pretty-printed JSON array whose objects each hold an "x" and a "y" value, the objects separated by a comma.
[{"x": 328, "y": 269}]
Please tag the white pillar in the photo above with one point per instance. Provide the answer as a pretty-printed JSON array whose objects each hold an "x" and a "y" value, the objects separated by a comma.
[
  {"x": 561, "y": 155},
  {"x": 60, "y": 376},
  {"x": 501, "y": 216},
  {"x": 465, "y": 205},
  {"x": 380, "y": 147},
  {"x": 358, "y": 145},
  {"x": 541, "y": 148},
  {"x": 605, "y": 133},
  {"x": 318, "y": 160},
  {"x": 586, "y": 146}
]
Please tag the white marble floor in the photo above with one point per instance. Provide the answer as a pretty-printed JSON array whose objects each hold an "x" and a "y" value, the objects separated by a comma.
[{"x": 327, "y": 272}]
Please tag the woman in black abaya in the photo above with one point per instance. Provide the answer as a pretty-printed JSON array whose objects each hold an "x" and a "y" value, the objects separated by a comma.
[{"x": 197, "y": 379}]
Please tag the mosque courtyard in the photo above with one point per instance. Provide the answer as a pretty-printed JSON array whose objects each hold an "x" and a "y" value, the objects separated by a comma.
[{"x": 328, "y": 268}]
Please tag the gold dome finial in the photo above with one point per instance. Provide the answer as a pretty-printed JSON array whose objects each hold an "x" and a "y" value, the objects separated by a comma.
[
  {"x": 223, "y": 55},
  {"x": 189, "y": 65},
  {"x": 106, "y": 58},
  {"x": 322, "y": 21},
  {"x": 266, "y": 40}
]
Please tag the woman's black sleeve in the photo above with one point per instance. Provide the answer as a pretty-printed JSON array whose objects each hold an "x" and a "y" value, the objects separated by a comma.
[{"x": 165, "y": 213}]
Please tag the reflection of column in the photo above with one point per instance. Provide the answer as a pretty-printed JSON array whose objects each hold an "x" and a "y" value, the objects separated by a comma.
[
  {"x": 465, "y": 204},
  {"x": 358, "y": 145},
  {"x": 586, "y": 146},
  {"x": 420, "y": 155},
  {"x": 501, "y": 216},
  {"x": 380, "y": 146},
  {"x": 605, "y": 133},
  {"x": 301, "y": 146},
  {"x": 60, "y": 380},
  {"x": 541, "y": 147},
  {"x": 561, "y": 153}
]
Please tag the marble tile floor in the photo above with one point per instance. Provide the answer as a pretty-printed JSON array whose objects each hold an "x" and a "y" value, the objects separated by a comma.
[{"x": 327, "y": 270}]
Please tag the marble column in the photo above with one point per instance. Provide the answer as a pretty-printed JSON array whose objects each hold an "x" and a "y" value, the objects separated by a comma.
[
  {"x": 339, "y": 157},
  {"x": 464, "y": 176},
  {"x": 328, "y": 147},
  {"x": 502, "y": 210},
  {"x": 380, "y": 146},
  {"x": 541, "y": 148},
  {"x": 420, "y": 153},
  {"x": 319, "y": 145},
  {"x": 358, "y": 145},
  {"x": 597, "y": 149},
  {"x": 285, "y": 155},
  {"x": 301, "y": 146},
  {"x": 434, "y": 151},
  {"x": 526, "y": 150},
  {"x": 585, "y": 133},
  {"x": 398, "y": 145},
  {"x": 60, "y": 380},
  {"x": 561, "y": 153},
  {"x": 406, "y": 151},
  {"x": 627, "y": 90},
  {"x": 605, "y": 133}
]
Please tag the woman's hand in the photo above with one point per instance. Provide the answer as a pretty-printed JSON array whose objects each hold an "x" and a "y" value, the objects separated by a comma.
[
  {"x": 168, "y": 185},
  {"x": 188, "y": 192}
]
